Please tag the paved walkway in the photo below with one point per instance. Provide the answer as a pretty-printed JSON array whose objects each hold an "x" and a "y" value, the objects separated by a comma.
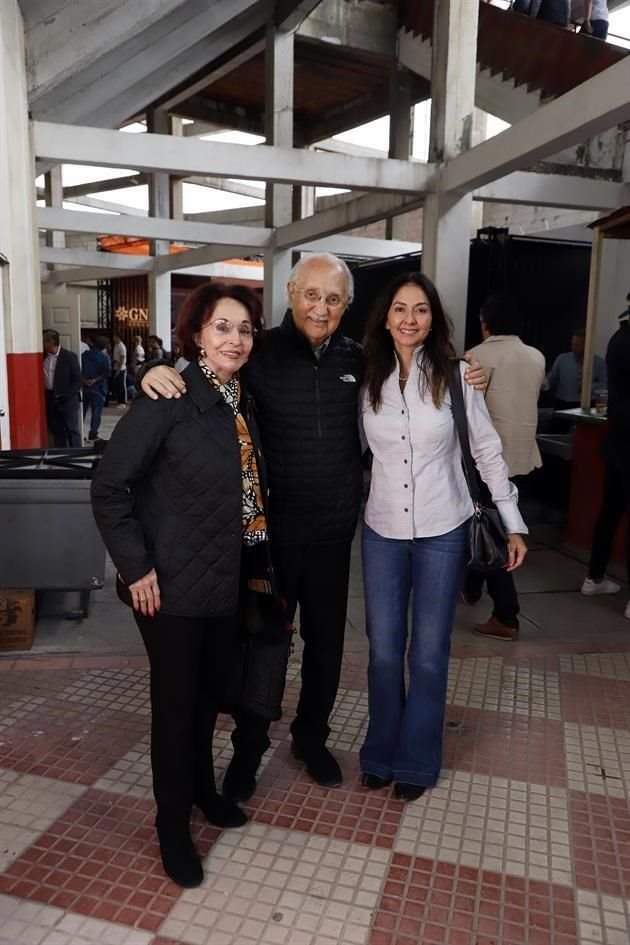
[{"x": 524, "y": 841}]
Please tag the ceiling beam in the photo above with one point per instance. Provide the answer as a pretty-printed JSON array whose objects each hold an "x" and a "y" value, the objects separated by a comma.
[
  {"x": 587, "y": 110},
  {"x": 173, "y": 99},
  {"x": 289, "y": 15},
  {"x": 108, "y": 205},
  {"x": 184, "y": 157},
  {"x": 234, "y": 117},
  {"x": 153, "y": 228},
  {"x": 201, "y": 256},
  {"x": 553, "y": 190},
  {"x": 95, "y": 260},
  {"x": 103, "y": 186},
  {"x": 364, "y": 246},
  {"x": 344, "y": 216}
]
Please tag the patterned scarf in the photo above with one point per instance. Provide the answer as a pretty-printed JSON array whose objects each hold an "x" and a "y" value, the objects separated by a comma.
[{"x": 254, "y": 521}]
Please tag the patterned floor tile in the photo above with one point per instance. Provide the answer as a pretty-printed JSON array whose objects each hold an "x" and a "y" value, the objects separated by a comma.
[
  {"x": 592, "y": 700},
  {"x": 30, "y": 923},
  {"x": 490, "y": 683},
  {"x": 268, "y": 886},
  {"x": 117, "y": 690},
  {"x": 69, "y": 742},
  {"x": 505, "y": 746},
  {"x": 431, "y": 902},
  {"x": 28, "y": 806},
  {"x": 512, "y": 827},
  {"x": 349, "y": 720},
  {"x": 602, "y": 920},
  {"x": 598, "y": 759},
  {"x": 600, "y": 833},
  {"x": 605, "y": 665},
  {"x": 131, "y": 774},
  {"x": 100, "y": 858},
  {"x": 286, "y": 797}
]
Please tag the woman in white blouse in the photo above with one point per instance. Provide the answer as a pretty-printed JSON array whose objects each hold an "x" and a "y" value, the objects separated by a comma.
[{"x": 416, "y": 524}]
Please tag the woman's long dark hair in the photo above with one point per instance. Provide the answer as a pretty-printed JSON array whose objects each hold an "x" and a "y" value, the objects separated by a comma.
[{"x": 380, "y": 356}]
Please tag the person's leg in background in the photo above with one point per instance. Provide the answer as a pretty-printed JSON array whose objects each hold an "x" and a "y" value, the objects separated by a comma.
[
  {"x": 473, "y": 586},
  {"x": 72, "y": 422},
  {"x": 614, "y": 503},
  {"x": 55, "y": 421},
  {"x": 323, "y": 599},
  {"x": 387, "y": 577},
  {"x": 438, "y": 565},
  {"x": 503, "y": 624}
]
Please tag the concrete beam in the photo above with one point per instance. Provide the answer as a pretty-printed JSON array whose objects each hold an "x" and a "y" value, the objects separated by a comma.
[
  {"x": 175, "y": 98},
  {"x": 552, "y": 190},
  {"x": 361, "y": 246},
  {"x": 181, "y": 231},
  {"x": 201, "y": 256},
  {"x": 235, "y": 117},
  {"x": 85, "y": 258},
  {"x": 228, "y": 186},
  {"x": 289, "y": 15},
  {"x": 587, "y": 110},
  {"x": 183, "y": 157},
  {"x": 345, "y": 216},
  {"x": 108, "y": 205},
  {"x": 368, "y": 26},
  {"x": 103, "y": 186}
]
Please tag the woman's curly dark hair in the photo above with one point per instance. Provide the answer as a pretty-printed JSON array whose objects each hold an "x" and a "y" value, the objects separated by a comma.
[
  {"x": 437, "y": 352},
  {"x": 201, "y": 303}
]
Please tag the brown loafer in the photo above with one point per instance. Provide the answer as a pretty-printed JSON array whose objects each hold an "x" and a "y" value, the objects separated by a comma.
[{"x": 496, "y": 630}]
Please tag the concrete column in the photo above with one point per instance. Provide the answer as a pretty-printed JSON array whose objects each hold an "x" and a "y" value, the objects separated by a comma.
[
  {"x": 177, "y": 187},
  {"x": 21, "y": 374},
  {"x": 53, "y": 195},
  {"x": 159, "y": 122},
  {"x": 400, "y": 136},
  {"x": 447, "y": 219},
  {"x": 279, "y": 52}
]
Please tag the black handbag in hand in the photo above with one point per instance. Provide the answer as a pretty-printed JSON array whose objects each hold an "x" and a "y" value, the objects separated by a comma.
[{"x": 487, "y": 540}]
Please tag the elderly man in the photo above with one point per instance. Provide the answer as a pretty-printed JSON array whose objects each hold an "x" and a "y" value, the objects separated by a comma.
[{"x": 305, "y": 383}]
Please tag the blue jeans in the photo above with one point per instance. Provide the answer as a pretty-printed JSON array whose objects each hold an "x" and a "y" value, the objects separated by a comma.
[
  {"x": 404, "y": 738},
  {"x": 95, "y": 400}
]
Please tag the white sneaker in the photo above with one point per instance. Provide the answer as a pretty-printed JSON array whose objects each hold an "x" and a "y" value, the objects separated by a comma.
[
  {"x": 590, "y": 587},
  {"x": 626, "y": 612}
]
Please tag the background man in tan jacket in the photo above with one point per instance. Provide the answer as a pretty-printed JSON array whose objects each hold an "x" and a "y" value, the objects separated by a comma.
[{"x": 515, "y": 374}]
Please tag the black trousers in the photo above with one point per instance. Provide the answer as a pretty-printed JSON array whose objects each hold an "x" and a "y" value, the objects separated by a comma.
[
  {"x": 190, "y": 659},
  {"x": 615, "y": 501},
  {"x": 62, "y": 420},
  {"x": 501, "y": 589},
  {"x": 315, "y": 577}
]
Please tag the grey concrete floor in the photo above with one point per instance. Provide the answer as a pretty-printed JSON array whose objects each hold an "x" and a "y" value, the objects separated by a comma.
[{"x": 552, "y": 609}]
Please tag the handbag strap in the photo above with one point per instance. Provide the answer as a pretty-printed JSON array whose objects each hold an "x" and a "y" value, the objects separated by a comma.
[{"x": 461, "y": 425}]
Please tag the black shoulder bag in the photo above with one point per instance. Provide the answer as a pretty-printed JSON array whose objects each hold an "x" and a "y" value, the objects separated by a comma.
[{"x": 487, "y": 542}]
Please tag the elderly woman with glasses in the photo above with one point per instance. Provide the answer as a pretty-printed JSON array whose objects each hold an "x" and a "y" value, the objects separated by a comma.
[{"x": 178, "y": 497}]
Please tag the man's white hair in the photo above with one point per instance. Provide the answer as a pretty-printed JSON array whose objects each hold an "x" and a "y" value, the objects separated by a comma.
[{"x": 306, "y": 258}]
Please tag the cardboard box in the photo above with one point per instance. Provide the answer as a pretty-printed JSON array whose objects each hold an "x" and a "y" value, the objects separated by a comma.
[{"x": 17, "y": 618}]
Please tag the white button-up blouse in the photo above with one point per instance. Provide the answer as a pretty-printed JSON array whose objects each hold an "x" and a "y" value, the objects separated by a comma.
[{"x": 418, "y": 488}]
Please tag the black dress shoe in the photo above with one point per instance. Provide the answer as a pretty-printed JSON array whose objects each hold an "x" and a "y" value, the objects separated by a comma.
[
  {"x": 179, "y": 858},
  {"x": 221, "y": 812},
  {"x": 239, "y": 781},
  {"x": 373, "y": 782},
  {"x": 321, "y": 766},
  {"x": 408, "y": 792}
]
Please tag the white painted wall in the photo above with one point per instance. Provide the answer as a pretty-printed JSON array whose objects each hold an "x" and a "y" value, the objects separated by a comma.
[{"x": 18, "y": 236}]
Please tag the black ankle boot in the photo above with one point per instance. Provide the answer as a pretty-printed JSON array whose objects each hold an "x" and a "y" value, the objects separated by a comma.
[
  {"x": 408, "y": 792},
  {"x": 179, "y": 858},
  {"x": 220, "y": 811},
  {"x": 320, "y": 764},
  {"x": 239, "y": 781},
  {"x": 374, "y": 782}
]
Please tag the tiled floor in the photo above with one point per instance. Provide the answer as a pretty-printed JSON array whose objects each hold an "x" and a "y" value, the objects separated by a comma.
[{"x": 524, "y": 841}]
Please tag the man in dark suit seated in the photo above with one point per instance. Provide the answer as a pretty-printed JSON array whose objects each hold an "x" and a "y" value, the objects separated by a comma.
[{"x": 62, "y": 383}]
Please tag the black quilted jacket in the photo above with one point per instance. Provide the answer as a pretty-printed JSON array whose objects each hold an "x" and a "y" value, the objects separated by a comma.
[
  {"x": 307, "y": 414},
  {"x": 167, "y": 495}
]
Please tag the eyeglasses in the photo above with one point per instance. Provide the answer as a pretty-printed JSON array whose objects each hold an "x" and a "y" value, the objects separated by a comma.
[
  {"x": 312, "y": 296},
  {"x": 223, "y": 327}
]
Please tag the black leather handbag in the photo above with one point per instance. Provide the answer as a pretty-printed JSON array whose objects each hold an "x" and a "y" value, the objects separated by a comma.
[{"x": 487, "y": 540}]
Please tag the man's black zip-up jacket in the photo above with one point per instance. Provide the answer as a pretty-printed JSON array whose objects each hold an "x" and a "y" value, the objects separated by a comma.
[{"x": 307, "y": 413}]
